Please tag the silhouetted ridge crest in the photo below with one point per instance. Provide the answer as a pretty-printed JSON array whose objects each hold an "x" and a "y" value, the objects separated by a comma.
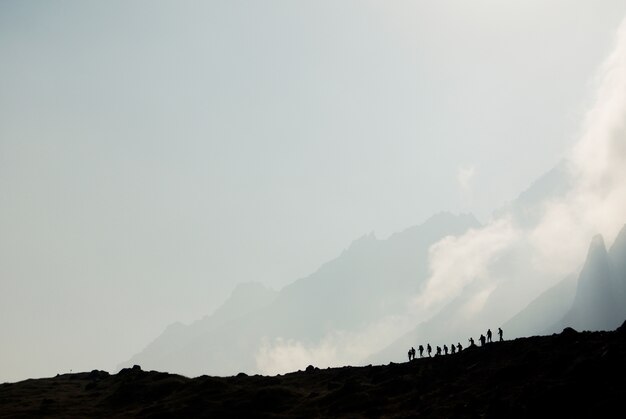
[
  {"x": 570, "y": 375},
  {"x": 569, "y": 331}
]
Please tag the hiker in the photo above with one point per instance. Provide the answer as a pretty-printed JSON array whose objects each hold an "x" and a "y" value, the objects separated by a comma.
[
  {"x": 429, "y": 349},
  {"x": 488, "y": 335},
  {"x": 459, "y": 347},
  {"x": 438, "y": 351},
  {"x": 445, "y": 350},
  {"x": 482, "y": 340},
  {"x": 452, "y": 349},
  {"x": 421, "y": 349},
  {"x": 471, "y": 342},
  {"x": 500, "y": 334},
  {"x": 413, "y": 352},
  {"x": 410, "y": 353}
]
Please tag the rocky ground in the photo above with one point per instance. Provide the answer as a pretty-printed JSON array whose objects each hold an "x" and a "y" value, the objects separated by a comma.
[{"x": 564, "y": 375}]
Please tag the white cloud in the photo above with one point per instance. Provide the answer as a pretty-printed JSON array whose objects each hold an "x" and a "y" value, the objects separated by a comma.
[
  {"x": 337, "y": 348},
  {"x": 457, "y": 261},
  {"x": 529, "y": 258},
  {"x": 555, "y": 246}
]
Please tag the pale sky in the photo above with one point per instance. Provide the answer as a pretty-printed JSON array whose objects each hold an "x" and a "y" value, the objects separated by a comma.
[{"x": 154, "y": 154}]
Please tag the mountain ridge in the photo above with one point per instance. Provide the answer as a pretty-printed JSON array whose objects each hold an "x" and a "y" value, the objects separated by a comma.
[
  {"x": 592, "y": 300},
  {"x": 370, "y": 279}
]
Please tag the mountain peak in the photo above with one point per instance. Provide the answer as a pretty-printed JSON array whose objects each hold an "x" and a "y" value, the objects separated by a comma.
[
  {"x": 618, "y": 249},
  {"x": 597, "y": 248},
  {"x": 595, "y": 306},
  {"x": 597, "y": 265}
]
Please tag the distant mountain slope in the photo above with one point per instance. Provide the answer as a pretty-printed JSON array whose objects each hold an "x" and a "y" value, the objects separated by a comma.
[
  {"x": 445, "y": 328},
  {"x": 544, "y": 311},
  {"x": 455, "y": 322},
  {"x": 369, "y": 280},
  {"x": 528, "y": 207},
  {"x": 600, "y": 302},
  {"x": 245, "y": 299},
  {"x": 617, "y": 254},
  {"x": 593, "y": 300}
]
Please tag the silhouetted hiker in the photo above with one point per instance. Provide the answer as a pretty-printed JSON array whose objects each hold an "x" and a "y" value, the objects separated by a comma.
[
  {"x": 445, "y": 350},
  {"x": 429, "y": 349},
  {"x": 500, "y": 334},
  {"x": 438, "y": 351},
  {"x": 459, "y": 347},
  {"x": 410, "y": 353},
  {"x": 421, "y": 349},
  {"x": 488, "y": 335},
  {"x": 471, "y": 341},
  {"x": 413, "y": 352},
  {"x": 482, "y": 340},
  {"x": 452, "y": 349}
]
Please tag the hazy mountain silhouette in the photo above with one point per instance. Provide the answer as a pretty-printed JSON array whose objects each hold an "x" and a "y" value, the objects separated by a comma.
[
  {"x": 547, "y": 309},
  {"x": 527, "y": 208},
  {"x": 617, "y": 254},
  {"x": 447, "y": 326},
  {"x": 593, "y": 300},
  {"x": 245, "y": 299},
  {"x": 369, "y": 280},
  {"x": 599, "y": 303},
  {"x": 454, "y": 322},
  {"x": 373, "y": 279}
]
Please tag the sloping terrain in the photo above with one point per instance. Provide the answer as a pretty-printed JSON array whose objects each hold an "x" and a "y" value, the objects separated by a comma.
[{"x": 566, "y": 375}]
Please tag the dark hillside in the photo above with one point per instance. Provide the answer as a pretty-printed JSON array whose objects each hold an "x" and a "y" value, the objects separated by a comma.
[{"x": 566, "y": 375}]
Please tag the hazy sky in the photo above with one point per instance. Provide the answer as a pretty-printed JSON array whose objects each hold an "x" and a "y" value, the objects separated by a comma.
[{"x": 153, "y": 154}]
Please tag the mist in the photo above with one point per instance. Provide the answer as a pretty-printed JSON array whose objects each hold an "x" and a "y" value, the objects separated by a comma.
[
  {"x": 215, "y": 187},
  {"x": 514, "y": 257},
  {"x": 554, "y": 245}
]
